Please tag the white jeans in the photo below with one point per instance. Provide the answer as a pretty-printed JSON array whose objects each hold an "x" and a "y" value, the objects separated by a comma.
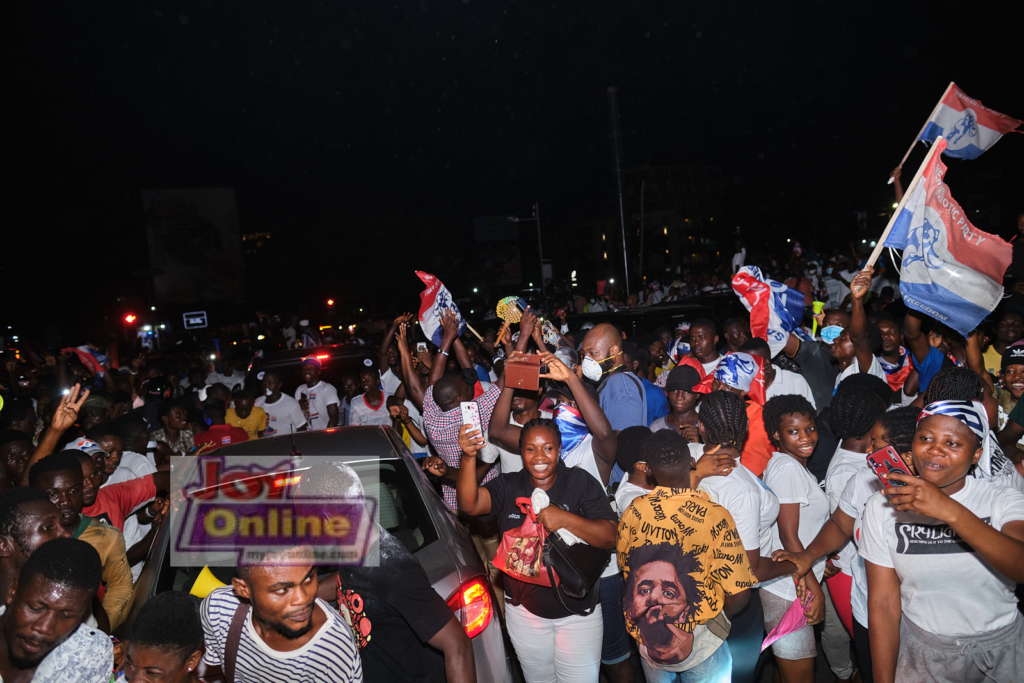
[{"x": 566, "y": 650}]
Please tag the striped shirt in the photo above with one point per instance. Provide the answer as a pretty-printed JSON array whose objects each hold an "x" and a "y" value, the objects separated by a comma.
[
  {"x": 443, "y": 433},
  {"x": 329, "y": 657}
]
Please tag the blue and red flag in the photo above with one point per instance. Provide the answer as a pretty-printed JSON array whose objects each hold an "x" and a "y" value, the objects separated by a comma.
[
  {"x": 434, "y": 300},
  {"x": 92, "y": 359},
  {"x": 775, "y": 309},
  {"x": 951, "y": 271},
  {"x": 969, "y": 127}
]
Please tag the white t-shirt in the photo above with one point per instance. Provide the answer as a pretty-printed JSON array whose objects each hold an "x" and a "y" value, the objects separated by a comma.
[
  {"x": 945, "y": 587},
  {"x": 837, "y": 291},
  {"x": 626, "y": 494},
  {"x": 787, "y": 383},
  {"x": 284, "y": 415},
  {"x": 854, "y": 367},
  {"x": 361, "y": 413},
  {"x": 390, "y": 382},
  {"x": 509, "y": 461},
  {"x": 320, "y": 396},
  {"x": 230, "y": 381},
  {"x": 330, "y": 656},
  {"x": 792, "y": 483},
  {"x": 841, "y": 468},
  {"x": 862, "y": 485},
  {"x": 710, "y": 366},
  {"x": 133, "y": 533},
  {"x": 133, "y": 465},
  {"x": 583, "y": 457},
  {"x": 753, "y": 506}
]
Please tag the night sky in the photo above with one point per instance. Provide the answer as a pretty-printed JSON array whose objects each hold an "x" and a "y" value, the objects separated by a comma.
[{"x": 365, "y": 136}]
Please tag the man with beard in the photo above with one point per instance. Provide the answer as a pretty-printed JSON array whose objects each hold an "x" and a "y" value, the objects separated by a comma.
[
  {"x": 61, "y": 476},
  {"x": 685, "y": 570},
  {"x": 44, "y": 610},
  {"x": 623, "y": 398},
  {"x": 287, "y": 634}
]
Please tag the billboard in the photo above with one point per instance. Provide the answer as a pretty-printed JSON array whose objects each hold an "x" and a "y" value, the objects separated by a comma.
[
  {"x": 194, "y": 247},
  {"x": 497, "y": 240}
]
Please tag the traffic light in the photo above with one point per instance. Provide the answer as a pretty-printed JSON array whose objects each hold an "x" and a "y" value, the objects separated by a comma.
[
  {"x": 330, "y": 302},
  {"x": 130, "y": 318}
]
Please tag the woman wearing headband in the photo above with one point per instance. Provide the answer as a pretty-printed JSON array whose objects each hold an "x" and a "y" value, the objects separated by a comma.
[{"x": 943, "y": 555}]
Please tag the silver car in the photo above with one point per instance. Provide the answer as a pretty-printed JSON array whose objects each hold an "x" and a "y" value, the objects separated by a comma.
[{"x": 409, "y": 508}]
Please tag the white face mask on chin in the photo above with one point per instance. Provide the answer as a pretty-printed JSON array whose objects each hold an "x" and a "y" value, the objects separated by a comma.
[{"x": 268, "y": 392}]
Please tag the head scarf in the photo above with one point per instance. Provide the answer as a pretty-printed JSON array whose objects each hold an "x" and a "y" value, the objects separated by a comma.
[
  {"x": 571, "y": 426},
  {"x": 312, "y": 359},
  {"x": 741, "y": 371},
  {"x": 971, "y": 413},
  {"x": 677, "y": 348},
  {"x": 896, "y": 373}
]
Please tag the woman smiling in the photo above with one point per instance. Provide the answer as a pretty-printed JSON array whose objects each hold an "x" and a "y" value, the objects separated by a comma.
[{"x": 942, "y": 557}]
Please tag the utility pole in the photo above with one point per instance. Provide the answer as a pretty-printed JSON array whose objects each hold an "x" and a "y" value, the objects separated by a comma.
[
  {"x": 540, "y": 248},
  {"x": 640, "y": 268},
  {"x": 616, "y": 137}
]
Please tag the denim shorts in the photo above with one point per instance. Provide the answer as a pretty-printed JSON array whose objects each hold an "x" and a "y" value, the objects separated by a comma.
[{"x": 616, "y": 642}]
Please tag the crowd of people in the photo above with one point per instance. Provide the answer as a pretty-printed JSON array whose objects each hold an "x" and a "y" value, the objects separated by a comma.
[{"x": 727, "y": 488}]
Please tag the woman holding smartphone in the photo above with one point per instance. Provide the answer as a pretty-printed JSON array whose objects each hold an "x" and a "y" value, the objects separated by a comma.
[
  {"x": 551, "y": 642},
  {"x": 943, "y": 552}
]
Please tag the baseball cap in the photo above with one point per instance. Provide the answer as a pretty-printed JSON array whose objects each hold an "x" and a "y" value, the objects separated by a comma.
[
  {"x": 682, "y": 377},
  {"x": 87, "y": 446},
  {"x": 1014, "y": 355},
  {"x": 562, "y": 389}
]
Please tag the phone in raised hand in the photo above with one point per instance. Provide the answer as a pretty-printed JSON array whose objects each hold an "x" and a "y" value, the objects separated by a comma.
[
  {"x": 471, "y": 415},
  {"x": 888, "y": 460},
  {"x": 421, "y": 347}
]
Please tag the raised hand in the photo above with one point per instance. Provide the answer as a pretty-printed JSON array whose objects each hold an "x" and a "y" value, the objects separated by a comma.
[
  {"x": 402, "y": 319},
  {"x": 556, "y": 368},
  {"x": 402, "y": 339},
  {"x": 896, "y": 173},
  {"x": 920, "y": 496},
  {"x": 450, "y": 325},
  {"x": 11, "y": 365},
  {"x": 861, "y": 283},
  {"x": 527, "y": 323},
  {"x": 470, "y": 440},
  {"x": 67, "y": 410},
  {"x": 50, "y": 359}
]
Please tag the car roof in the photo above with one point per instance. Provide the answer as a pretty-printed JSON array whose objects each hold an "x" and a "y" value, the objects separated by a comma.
[
  {"x": 340, "y": 441},
  {"x": 333, "y": 350}
]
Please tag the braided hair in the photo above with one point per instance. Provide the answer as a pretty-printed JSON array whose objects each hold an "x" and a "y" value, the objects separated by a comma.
[
  {"x": 954, "y": 384},
  {"x": 724, "y": 418},
  {"x": 854, "y": 411},
  {"x": 777, "y": 408},
  {"x": 864, "y": 381},
  {"x": 899, "y": 425}
]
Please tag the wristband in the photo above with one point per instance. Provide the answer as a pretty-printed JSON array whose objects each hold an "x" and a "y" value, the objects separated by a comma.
[{"x": 444, "y": 353}]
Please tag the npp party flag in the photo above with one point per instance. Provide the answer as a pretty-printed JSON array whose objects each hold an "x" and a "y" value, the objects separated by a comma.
[
  {"x": 434, "y": 300},
  {"x": 775, "y": 309},
  {"x": 951, "y": 270}
]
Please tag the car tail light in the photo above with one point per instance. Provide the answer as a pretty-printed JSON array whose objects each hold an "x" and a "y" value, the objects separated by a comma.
[
  {"x": 473, "y": 606},
  {"x": 323, "y": 356}
]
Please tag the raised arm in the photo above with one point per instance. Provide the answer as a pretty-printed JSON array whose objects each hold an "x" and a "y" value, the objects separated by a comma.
[
  {"x": 976, "y": 362},
  {"x": 916, "y": 339},
  {"x": 63, "y": 419},
  {"x": 411, "y": 379},
  {"x": 473, "y": 498},
  {"x": 605, "y": 441},
  {"x": 449, "y": 323},
  {"x": 859, "y": 289},
  {"x": 895, "y": 175},
  {"x": 389, "y": 337},
  {"x": 461, "y": 355},
  {"x": 500, "y": 431}
]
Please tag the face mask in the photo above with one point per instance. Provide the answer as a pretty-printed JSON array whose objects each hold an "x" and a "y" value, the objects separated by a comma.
[
  {"x": 829, "y": 270},
  {"x": 570, "y": 425},
  {"x": 268, "y": 392},
  {"x": 591, "y": 369}
]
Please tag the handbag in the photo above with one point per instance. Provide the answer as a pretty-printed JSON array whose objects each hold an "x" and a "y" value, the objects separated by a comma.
[
  {"x": 520, "y": 554},
  {"x": 578, "y": 566}
]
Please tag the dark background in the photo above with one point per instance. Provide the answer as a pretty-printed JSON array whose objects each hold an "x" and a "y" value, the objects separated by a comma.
[{"x": 365, "y": 135}]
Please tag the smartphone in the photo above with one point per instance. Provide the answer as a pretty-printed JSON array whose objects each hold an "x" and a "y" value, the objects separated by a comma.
[
  {"x": 471, "y": 415},
  {"x": 421, "y": 347},
  {"x": 888, "y": 460}
]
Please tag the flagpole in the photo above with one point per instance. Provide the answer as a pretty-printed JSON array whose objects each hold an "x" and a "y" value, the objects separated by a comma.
[
  {"x": 918, "y": 136},
  {"x": 880, "y": 244}
]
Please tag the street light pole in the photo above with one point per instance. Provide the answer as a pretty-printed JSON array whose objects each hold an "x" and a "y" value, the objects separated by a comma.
[{"x": 540, "y": 248}]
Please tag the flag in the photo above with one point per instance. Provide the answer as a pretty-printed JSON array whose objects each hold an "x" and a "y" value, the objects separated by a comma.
[
  {"x": 433, "y": 301},
  {"x": 92, "y": 359},
  {"x": 739, "y": 370},
  {"x": 951, "y": 271},
  {"x": 968, "y": 126},
  {"x": 775, "y": 309}
]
